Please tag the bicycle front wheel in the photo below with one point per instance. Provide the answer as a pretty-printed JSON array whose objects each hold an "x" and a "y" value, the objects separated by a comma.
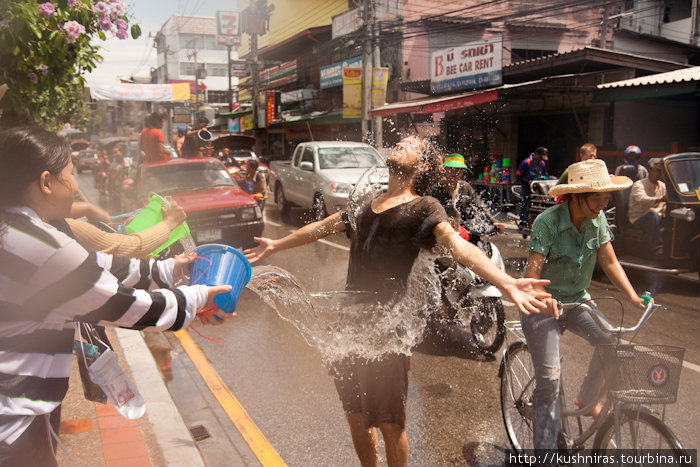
[
  {"x": 639, "y": 430},
  {"x": 517, "y": 387}
]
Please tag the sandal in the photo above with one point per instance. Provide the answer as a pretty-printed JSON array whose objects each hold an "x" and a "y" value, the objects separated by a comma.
[{"x": 593, "y": 413}]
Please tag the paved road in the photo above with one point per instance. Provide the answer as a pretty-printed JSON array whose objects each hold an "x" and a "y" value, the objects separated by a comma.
[{"x": 453, "y": 406}]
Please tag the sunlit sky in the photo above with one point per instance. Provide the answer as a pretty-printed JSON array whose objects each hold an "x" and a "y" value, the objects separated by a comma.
[{"x": 136, "y": 57}]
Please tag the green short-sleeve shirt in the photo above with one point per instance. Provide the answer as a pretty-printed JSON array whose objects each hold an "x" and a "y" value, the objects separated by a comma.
[{"x": 570, "y": 253}]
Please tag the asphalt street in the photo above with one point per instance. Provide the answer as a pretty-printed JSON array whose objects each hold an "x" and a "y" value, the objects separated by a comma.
[{"x": 454, "y": 415}]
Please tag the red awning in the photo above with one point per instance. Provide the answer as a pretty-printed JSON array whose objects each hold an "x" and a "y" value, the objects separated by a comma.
[
  {"x": 440, "y": 104},
  {"x": 451, "y": 102}
]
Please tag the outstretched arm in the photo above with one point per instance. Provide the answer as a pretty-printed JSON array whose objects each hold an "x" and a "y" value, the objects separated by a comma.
[
  {"x": 613, "y": 270},
  {"x": 527, "y": 294},
  {"x": 307, "y": 234}
]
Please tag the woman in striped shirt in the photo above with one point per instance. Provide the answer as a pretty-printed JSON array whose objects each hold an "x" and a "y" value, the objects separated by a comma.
[{"x": 48, "y": 282}]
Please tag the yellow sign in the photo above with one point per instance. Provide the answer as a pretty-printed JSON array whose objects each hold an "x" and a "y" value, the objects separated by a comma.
[
  {"x": 352, "y": 93},
  {"x": 380, "y": 76}
]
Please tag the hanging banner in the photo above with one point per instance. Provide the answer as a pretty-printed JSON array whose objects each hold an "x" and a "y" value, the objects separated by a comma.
[
  {"x": 380, "y": 77},
  {"x": 471, "y": 66},
  {"x": 352, "y": 93},
  {"x": 140, "y": 92}
]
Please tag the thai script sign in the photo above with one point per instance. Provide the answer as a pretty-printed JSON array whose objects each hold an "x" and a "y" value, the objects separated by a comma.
[
  {"x": 470, "y": 66},
  {"x": 332, "y": 75}
]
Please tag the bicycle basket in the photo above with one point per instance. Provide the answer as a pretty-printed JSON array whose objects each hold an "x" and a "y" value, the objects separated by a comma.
[{"x": 642, "y": 374}]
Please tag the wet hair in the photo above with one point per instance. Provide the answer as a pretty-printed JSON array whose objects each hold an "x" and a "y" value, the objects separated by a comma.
[
  {"x": 25, "y": 153},
  {"x": 428, "y": 179}
]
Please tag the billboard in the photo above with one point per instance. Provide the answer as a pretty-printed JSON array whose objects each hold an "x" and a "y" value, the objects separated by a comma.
[
  {"x": 470, "y": 66},
  {"x": 332, "y": 75}
]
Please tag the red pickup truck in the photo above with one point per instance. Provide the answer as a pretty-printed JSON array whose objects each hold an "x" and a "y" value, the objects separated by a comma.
[{"x": 218, "y": 210}]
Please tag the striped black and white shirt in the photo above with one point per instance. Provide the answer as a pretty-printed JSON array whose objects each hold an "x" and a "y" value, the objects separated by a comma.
[{"x": 47, "y": 283}]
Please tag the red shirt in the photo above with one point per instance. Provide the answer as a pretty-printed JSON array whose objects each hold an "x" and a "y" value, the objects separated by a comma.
[{"x": 151, "y": 139}]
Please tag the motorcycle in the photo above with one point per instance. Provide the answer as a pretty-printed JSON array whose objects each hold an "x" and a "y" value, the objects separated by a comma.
[{"x": 471, "y": 300}]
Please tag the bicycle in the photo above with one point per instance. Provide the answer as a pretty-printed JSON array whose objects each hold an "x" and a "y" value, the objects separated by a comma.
[{"x": 626, "y": 421}]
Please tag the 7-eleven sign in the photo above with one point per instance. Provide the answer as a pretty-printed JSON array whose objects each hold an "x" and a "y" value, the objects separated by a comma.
[{"x": 227, "y": 23}]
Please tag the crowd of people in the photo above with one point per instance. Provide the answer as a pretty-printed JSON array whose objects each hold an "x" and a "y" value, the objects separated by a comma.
[{"x": 62, "y": 271}]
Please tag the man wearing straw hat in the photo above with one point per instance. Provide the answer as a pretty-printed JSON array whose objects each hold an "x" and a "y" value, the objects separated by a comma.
[
  {"x": 565, "y": 242},
  {"x": 390, "y": 231}
]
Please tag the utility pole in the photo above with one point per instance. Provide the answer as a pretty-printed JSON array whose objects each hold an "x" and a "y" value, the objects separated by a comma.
[
  {"x": 368, "y": 19},
  {"x": 604, "y": 27},
  {"x": 254, "y": 72},
  {"x": 378, "y": 130},
  {"x": 229, "y": 95}
]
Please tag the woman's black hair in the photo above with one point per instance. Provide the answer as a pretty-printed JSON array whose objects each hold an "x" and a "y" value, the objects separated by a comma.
[{"x": 25, "y": 153}]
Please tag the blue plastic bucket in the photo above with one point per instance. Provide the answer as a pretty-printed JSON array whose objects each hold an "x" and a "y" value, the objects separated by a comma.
[{"x": 221, "y": 265}]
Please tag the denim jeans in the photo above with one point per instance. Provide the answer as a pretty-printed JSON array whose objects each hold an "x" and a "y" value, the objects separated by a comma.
[
  {"x": 650, "y": 224},
  {"x": 542, "y": 335}
]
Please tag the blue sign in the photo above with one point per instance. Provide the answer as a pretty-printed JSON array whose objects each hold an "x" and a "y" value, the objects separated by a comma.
[{"x": 332, "y": 75}]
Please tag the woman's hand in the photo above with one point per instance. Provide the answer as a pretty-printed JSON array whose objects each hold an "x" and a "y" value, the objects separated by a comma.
[
  {"x": 265, "y": 247},
  {"x": 173, "y": 214},
  {"x": 181, "y": 269},
  {"x": 216, "y": 319},
  {"x": 213, "y": 291},
  {"x": 528, "y": 294},
  {"x": 639, "y": 301}
]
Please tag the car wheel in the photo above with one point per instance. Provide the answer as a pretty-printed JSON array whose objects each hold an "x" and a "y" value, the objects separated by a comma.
[
  {"x": 282, "y": 203},
  {"x": 319, "y": 211}
]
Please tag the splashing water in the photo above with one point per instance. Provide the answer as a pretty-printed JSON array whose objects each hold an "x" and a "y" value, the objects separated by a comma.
[
  {"x": 350, "y": 323},
  {"x": 371, "y": 183}
]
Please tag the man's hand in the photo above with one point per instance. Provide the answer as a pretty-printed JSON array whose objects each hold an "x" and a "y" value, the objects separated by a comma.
[
  {"x": 528, "y": 294},
  {"x": 500, "y": 227},
  {"x": 265, "y": 247}
]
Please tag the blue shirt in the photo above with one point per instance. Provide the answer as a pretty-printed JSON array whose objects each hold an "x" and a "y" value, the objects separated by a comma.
[
  {"x": 531, "y": 170},
  {"x": 570, "y": 253}
]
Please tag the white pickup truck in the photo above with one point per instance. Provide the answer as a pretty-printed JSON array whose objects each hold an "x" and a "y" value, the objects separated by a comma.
[{"x": 321, "y": 175}]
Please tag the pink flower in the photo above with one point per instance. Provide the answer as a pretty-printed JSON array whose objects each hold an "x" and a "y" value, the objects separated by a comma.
[
  {"x": 121, "y": 24},
  {"x": 32, "y": 77},
  {"x": 72, "y": 3},
  {"x": 73, "y": 30},
  {"x": 122, "y": 34},
  {"x": 105, "y": 23},
  {"x": 43, "y": 69},
  {"x": 101, "y": 8},
  {"x": 117, "y": 10},
  {"x": 47, "y": 9}
]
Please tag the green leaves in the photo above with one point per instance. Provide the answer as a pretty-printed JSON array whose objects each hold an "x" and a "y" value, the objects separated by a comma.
[
  {"x": 135, "y": 31},
  {"x": 43, "y": 65}
]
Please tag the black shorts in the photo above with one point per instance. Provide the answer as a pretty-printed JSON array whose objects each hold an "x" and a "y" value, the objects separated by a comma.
[{"x": 377, "y": 389}]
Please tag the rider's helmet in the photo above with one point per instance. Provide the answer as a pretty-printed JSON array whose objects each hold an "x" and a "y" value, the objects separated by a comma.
[{"x": 633, "y": 150}]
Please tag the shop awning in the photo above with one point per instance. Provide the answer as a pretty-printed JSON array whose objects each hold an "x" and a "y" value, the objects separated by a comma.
[
  {"x": 443, "y": 103},
  {"x": 673, "y": 83}
]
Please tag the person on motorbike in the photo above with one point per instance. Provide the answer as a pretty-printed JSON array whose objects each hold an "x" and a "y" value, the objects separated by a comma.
[
  {"x": 472, "y": 218},
  {"x": 565, "y": 242},
  {"x": 631, "y": 168}
]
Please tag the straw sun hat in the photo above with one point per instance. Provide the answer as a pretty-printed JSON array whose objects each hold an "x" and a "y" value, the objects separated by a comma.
[{"x": 590, "y": 176}]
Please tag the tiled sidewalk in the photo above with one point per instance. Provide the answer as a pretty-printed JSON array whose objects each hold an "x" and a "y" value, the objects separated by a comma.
[{"x": 96, "y": 435}]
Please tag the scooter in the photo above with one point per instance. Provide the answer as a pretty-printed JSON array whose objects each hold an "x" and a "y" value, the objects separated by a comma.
[{"x": 470, "y": 299}]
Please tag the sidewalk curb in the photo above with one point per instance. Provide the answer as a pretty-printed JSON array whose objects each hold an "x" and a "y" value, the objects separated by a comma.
[{"x": 170, "y": 430}]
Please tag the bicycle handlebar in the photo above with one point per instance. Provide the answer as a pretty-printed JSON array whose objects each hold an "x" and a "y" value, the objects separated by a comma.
[{"x": 650, "y": 305}]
